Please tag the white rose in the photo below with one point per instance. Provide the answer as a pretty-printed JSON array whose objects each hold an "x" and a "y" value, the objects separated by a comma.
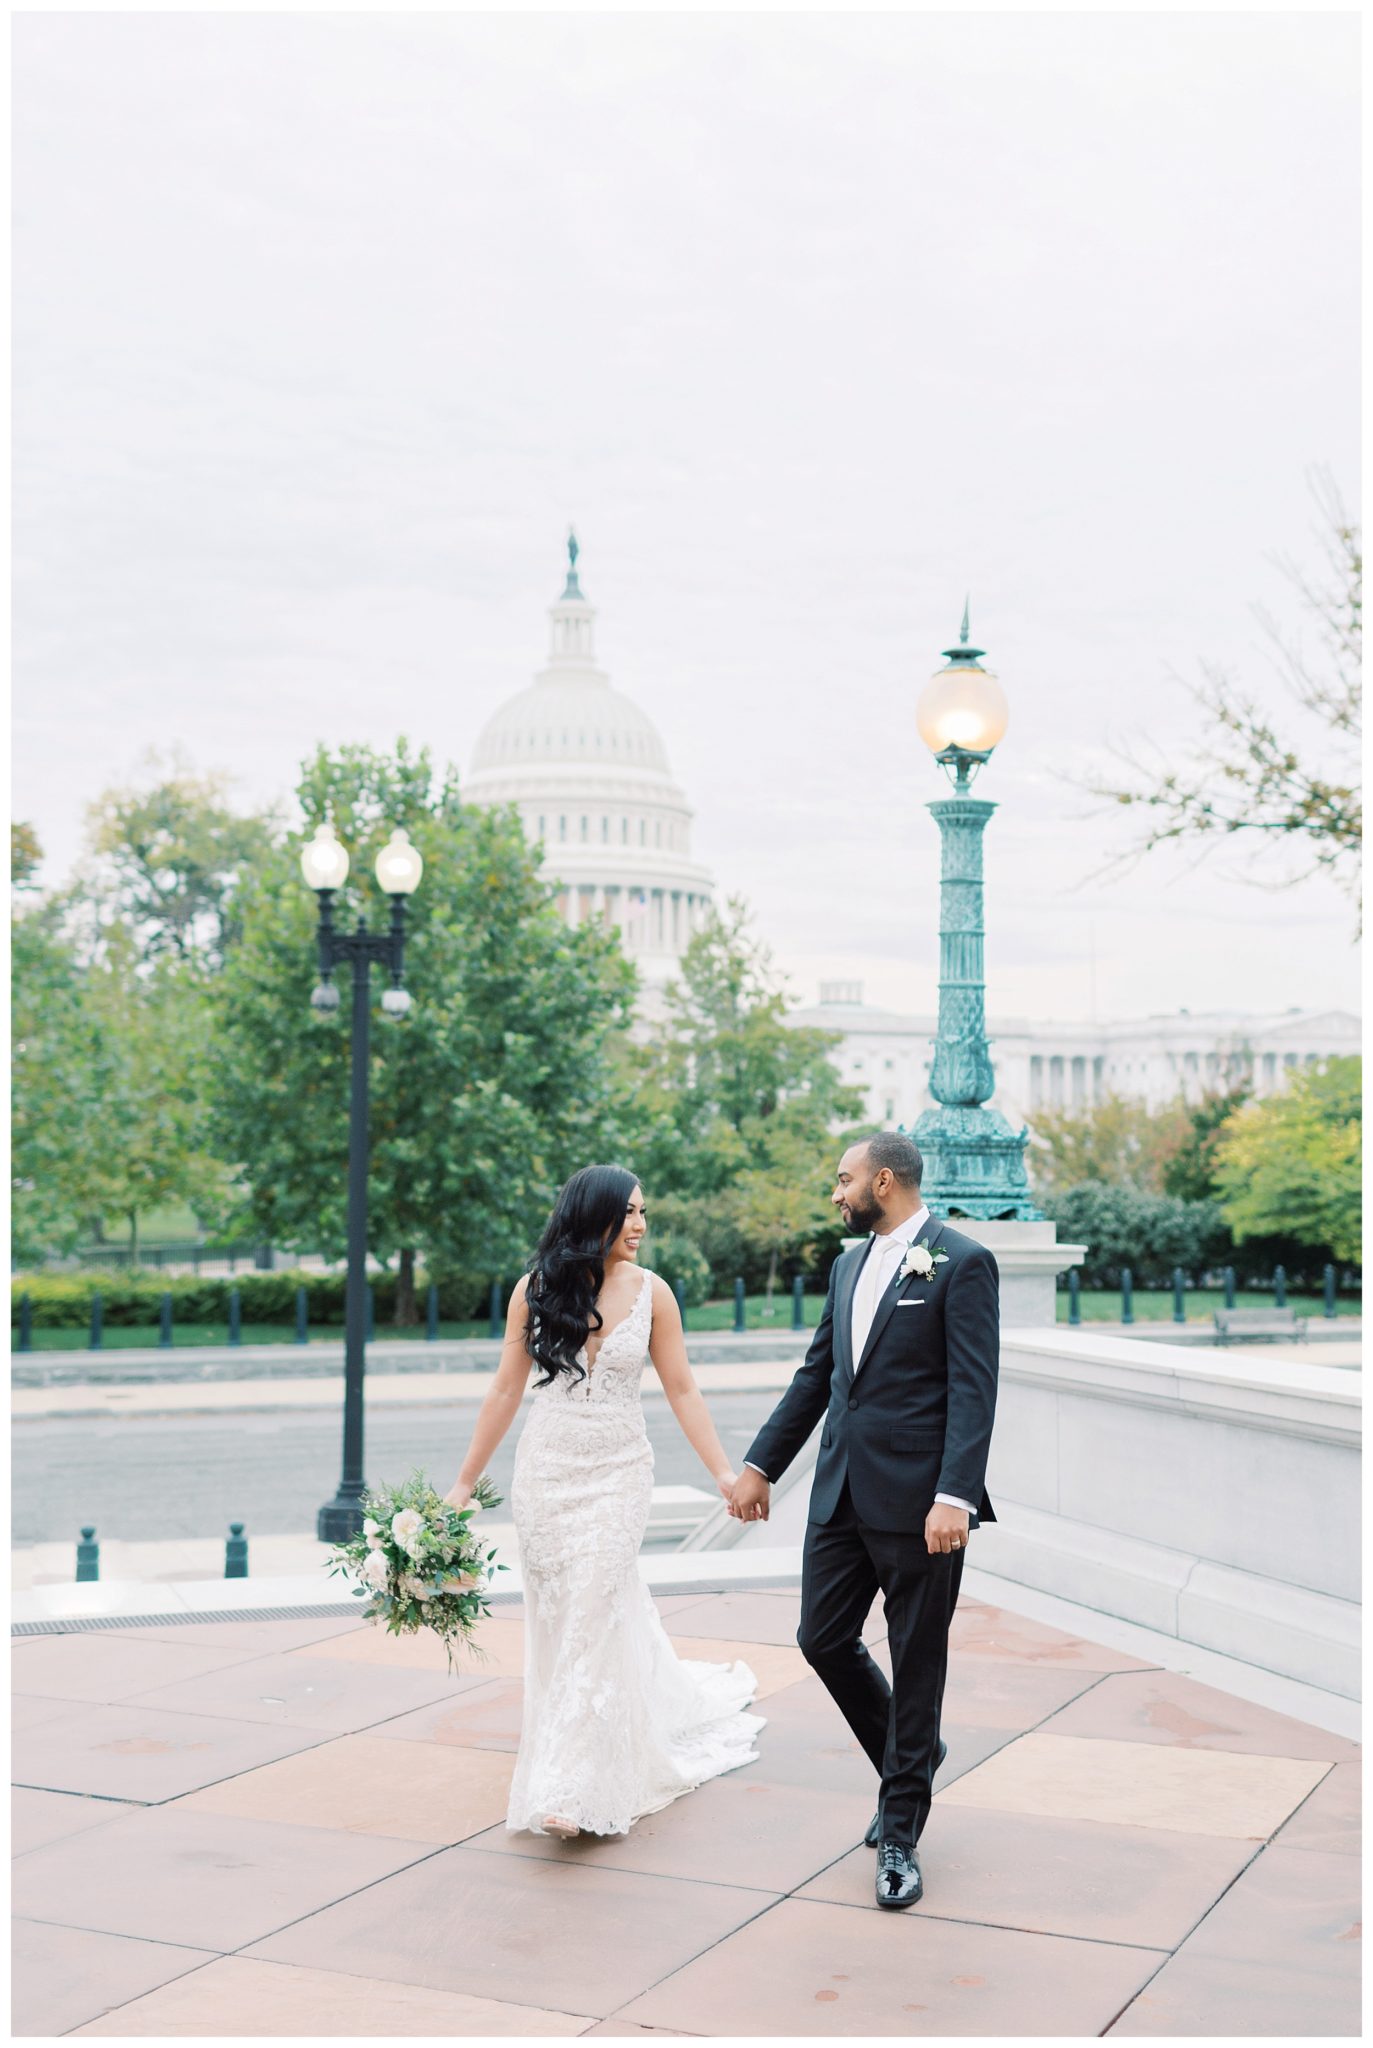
[
  {"x": 416, "y": 1588},
  {"x": 406, "y": 1526},
  {"x": 376, "y": 1572},
  {"x": 369, "y": 1527},
  {"x": 377, "y": 1541}
]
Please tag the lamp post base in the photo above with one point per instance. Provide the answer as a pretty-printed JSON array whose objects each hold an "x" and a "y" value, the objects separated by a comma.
[
  {"x": 974, "y": 1163},
  {"x": 340, "y": 1519}
]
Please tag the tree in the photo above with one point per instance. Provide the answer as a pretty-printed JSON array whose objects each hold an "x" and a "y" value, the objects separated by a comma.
[
  {"x": 736, "y": 1112},
  {"x": 493, "y": 1088},
  {"x": 106, "y": 1077},
  {"x": 1290, "y": 1163},
  {"x": 166, "y": 861},
  {"x": 1119, "y": 1139},
  {"x": 155, "y": 1034},
  {"x": 1251, "y": 778},
  {"x": 26, "y": 856},
  {"x": 1190, "y": 1171},
  {"x": 59, "y": 1139}
]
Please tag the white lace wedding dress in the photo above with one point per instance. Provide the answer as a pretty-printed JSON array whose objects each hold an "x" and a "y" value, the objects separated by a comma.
[{"x": 616, "y": 1725}]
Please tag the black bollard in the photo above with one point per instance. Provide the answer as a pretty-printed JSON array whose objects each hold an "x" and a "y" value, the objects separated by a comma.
[
  {"x": 680, "y": 1291},
  {"x": 1229, "y": 1287},
  {"x": 1279, "y": 1286},
  {"x": 97, "y": 1322},
  {"x": 798, "y": 1303},
  {"x": 1179, "y": 1296},
  {"x": 26, "y": 1319},
  {"x": 88, "y": 1554},
  {"x": 1127, "y": 1295},
  {"x": 1331, "y": 1305},
  {"x": 431, "y": 1316},
  {"x": 235, "y": 1316},
  {"x": 739, "y": 1305},
  {"x": 495, "y": 1325},
  {"x": 1074, "y": 1297},
  {"x": 164, "y": 1332},
  {"x": 302, "y": 1315},
  {"x": 236, "y": 1553}
]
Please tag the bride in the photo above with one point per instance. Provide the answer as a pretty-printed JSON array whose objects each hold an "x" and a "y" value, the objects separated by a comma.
[{"x": 615, "y": 1724}]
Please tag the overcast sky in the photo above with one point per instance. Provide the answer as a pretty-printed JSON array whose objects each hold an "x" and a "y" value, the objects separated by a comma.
[{"x": 327, "y": 325}]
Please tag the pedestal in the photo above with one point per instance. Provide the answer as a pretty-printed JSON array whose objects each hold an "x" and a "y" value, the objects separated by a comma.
[{"x": 1029, "y": 1259}]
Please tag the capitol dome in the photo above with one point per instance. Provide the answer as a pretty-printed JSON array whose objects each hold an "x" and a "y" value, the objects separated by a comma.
[{"x": 589, "y": 775}]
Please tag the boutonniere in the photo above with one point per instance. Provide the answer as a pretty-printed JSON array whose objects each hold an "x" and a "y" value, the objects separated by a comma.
[{"x": 921, "y": 1261}]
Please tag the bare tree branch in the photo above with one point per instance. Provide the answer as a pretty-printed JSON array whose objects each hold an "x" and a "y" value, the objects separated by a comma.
[{"x": 1247, "y": 777}]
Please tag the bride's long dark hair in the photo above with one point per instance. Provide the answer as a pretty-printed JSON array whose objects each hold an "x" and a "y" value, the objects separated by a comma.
[{"x": 567, "y": 1270}]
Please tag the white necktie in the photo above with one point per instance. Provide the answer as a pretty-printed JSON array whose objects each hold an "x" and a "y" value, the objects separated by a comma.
[{"x": 877, "y": 1271}]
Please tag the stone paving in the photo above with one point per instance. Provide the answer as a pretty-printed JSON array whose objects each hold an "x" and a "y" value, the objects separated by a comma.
[{"x": 295, "y": 1828}]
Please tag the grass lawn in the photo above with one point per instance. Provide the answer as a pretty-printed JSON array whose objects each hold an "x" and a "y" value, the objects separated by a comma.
[{"x": 1155, "y": 1305}]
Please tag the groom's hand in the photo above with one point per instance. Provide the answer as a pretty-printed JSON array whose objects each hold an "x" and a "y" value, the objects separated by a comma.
[
  {"x": 946, "y": 1528},
  {"x": 751, "y": 1496}
]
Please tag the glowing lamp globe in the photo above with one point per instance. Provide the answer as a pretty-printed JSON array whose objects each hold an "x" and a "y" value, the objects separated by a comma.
[
  {"x": 963, "y": 707},
  {"x": 323, "y": 862},
  {"x": 399, "y": 866}
]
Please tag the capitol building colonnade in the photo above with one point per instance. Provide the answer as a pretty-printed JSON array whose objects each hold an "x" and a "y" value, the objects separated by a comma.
[{"x": 588, "y": 773}]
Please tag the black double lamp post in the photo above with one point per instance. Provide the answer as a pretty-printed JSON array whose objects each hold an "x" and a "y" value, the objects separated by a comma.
[{"x": 324, "y": 864}]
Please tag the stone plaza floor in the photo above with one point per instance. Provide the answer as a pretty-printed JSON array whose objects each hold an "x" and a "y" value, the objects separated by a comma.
[{"x": 295, "y": 1828}]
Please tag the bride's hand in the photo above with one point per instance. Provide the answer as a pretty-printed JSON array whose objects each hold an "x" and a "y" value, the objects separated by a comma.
[
  {"x": 458, "y": 1495},
  {"x": 726, "y": 1482}
]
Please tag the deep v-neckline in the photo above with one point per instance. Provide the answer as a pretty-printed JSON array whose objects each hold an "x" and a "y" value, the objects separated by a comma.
[{"x": 587, "y": 1360}]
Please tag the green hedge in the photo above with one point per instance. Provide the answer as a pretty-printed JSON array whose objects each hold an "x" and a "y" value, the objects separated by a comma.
[{"x": 62, "y": 1301}]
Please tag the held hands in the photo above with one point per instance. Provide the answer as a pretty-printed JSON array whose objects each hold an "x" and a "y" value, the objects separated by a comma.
[
  {"x": 946, "y": 1529},
  {"x": 751, "y": 1497},
  {"x": 726, "y": 1481}
]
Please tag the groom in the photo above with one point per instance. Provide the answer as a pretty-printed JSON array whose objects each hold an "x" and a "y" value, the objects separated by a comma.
[{"x": 903, "y": 1368}]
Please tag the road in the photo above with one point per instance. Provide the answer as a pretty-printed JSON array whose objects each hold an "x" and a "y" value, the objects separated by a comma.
[{"x": 144, "y": 1478}]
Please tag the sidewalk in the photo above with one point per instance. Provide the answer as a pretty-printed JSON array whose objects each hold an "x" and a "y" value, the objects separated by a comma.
[
  {"x": 295, "y": 1828},
  {"x": 400, "y": 1390},
  {"x": 386, "y": 1355}
]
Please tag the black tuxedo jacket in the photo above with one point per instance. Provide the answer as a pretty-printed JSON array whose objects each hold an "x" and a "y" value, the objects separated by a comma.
[{"x": 913, "y": 1416}]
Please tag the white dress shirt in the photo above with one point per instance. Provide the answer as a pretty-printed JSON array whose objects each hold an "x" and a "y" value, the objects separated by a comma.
[{"x": 878, "y": 1272}]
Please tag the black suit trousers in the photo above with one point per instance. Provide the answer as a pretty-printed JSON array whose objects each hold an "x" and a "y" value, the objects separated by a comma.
[{"x": 845, "y": 1563}]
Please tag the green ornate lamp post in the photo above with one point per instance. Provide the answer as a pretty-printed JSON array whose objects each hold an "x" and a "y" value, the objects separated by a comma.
[{"x": 974, "y": 1161}]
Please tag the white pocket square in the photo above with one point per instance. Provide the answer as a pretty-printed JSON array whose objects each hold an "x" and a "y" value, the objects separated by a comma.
[{"x": 916, "y": 1301}]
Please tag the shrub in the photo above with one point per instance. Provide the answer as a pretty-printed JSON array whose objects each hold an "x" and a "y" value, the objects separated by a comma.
[
  {"x": 1123, "y": 1225},
  {"x": 675, "y": 1257},
  {"x": 133, "y": 1297}
]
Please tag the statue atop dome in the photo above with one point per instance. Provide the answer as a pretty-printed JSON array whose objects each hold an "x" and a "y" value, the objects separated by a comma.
[{"x": 573, "y": 588}]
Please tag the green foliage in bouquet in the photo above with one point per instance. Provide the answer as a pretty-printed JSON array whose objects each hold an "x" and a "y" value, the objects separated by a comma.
[{"x": 422, "y": 1561}]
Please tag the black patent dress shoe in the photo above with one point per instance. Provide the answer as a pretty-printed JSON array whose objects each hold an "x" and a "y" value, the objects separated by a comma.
[
  {"x": 874, "y": 1834},
  {"x": 899, "y": 1882}
]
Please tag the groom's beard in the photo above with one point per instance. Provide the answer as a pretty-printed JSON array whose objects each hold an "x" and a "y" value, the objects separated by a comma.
[{"x": 864, "y": 1215}]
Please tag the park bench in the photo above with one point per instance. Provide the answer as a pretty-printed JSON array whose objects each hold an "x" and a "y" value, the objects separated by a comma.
[{"x": 1247, "y": 1323}]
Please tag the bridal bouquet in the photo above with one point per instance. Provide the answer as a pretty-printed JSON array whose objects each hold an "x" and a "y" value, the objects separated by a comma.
[{"x": 421, "y": 1560}]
